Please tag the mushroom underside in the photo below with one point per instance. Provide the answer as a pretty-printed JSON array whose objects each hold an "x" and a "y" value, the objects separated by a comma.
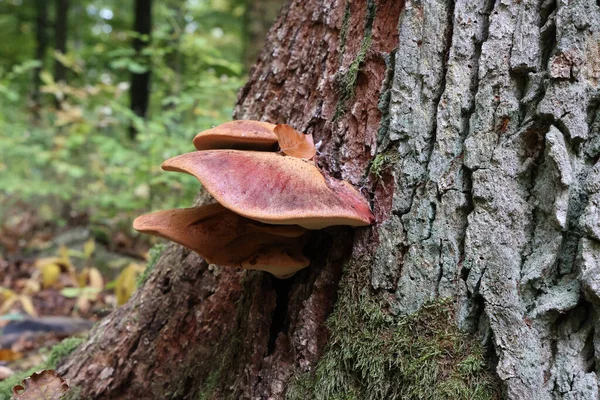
[{"x": 225, "y": 238}]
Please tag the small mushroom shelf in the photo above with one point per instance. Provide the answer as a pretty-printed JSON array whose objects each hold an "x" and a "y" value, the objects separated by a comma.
[{"x": 268, "y": 200}]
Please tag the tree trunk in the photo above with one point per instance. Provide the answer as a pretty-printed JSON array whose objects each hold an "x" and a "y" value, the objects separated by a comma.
[
  {"x": 140, "y": 83},
  {"x": 41, "y": 36},
  {"x": 60, "y": 37},
  {"x": 473, "y": 128}
]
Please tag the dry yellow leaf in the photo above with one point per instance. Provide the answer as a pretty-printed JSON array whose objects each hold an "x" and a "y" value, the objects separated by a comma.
[
  {"x": 83, "y": 304},
  {"x": 25, "y": 301},
  {"x": 88, "y": 248},
  {"x": 126, "y": 283},
  {"x": 6, "y": 293},
  {"x": 8, "y": 303},
  {"x": 50, "y": 274},
  {"x": 95, "y": 279},
  {"x": 40, "y": 262},
  {"x": 27, "y": 305},
  {"x": 63, "y": 253},
  {"x": 10, "y": 355},
  {"x": 90, "y": 277}
]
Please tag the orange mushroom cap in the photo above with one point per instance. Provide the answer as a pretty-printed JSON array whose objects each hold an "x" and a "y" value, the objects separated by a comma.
[
  {"x": 241, "y": 134},
  {"x": 225, "y": 238},
  {"x": 274, "y": 189}
]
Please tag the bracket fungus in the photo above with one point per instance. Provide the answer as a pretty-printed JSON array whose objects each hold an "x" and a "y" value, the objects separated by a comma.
[
  {"x": 241, "y": 134},
  {"x": 267, "y": 201}
]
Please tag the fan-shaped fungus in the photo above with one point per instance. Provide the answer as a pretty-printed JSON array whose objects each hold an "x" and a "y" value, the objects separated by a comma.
[
  {"x": 225, "y": 238},
  {"x": 274, "y": 189},
  {"x": 241, "y": 134},
  {"x": 267, "y": 200}
]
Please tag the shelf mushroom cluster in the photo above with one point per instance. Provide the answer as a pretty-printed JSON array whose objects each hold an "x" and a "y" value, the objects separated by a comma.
[{"x": 268, "y": 200}]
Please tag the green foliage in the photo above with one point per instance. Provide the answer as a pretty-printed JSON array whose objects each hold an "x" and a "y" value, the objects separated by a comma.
[
  {"x": 54, "y": 356},
  {"x": 75, "y": 148},
  {"x": 373, "y": 355}
]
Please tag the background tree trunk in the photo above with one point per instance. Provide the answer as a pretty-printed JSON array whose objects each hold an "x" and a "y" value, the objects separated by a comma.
[
  {"x": 60, "y": 37},
  {"x": 140, "y": 83},
  {"x": 473, "y": 127},
  {"x": 258, "y": 18},
  {"x": 41, "y": 37}
]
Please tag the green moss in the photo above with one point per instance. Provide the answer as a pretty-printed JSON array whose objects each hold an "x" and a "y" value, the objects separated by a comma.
[
  {"x": 220, "y": 382},
  {"x": 154, "y": 254},
  {"x": 61, "y": 350},
  {"x": 373, "y": 355},
  {"x": 344, "y": 30},
  {"x": 346, "y": 81},
  {"x": 216, "y": 386},
  {"x": 382, "y": 161},
  {"x": 54, "y": 356}
]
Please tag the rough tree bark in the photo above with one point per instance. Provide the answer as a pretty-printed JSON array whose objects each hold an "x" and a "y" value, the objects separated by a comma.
[{"x": 483, "y": 120}]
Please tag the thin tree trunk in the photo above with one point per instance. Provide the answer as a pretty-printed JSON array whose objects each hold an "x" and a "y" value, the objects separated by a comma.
[
  {"x": 61, "y": 27},
  {"x": 473, "y": 127},
  {"x": 258, "y": 18},
  {"x": 140, "y": 83},
  {"x": 41, "y": 36}
]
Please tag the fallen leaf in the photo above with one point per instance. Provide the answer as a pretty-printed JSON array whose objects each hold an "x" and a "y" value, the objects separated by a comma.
[
  {"x": 83, "y": 304},
  {"x": 10, "y": 355},
  {"x": 88, "y": 248},
  {"x": 25, "y": 301},
  {"x": 295, "y": 143},
  {"x": 50, "y": 274},
  {"x": 95, "y": 279},
  {"x": 126, "y": 282},
  {"x": 27, "y": 305},
  {"x": 44, "y": 385}
]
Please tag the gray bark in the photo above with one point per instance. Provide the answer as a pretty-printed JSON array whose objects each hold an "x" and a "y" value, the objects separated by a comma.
[{"x": 495, "y": 202}]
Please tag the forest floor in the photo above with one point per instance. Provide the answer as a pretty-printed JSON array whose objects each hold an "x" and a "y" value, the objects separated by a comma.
[{"x": 57, "y": 280}]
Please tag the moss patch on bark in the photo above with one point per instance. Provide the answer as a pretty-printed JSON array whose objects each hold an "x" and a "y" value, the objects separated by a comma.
[
  {"x": 346, "y": 81},
  {"x": 374, "y": 355}
]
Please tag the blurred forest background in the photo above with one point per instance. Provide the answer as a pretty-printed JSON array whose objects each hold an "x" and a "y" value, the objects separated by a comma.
[{"x": 94, "y": 95}]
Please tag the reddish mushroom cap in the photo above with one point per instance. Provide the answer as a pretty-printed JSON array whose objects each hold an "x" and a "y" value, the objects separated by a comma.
[
  {"x": 242, "y": 134},
  {"x": 274, "y": 189},
  {"x": 225, "y": 238}
]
